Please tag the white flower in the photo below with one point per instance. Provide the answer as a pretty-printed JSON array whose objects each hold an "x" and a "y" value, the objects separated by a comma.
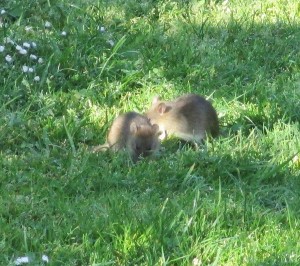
[
  {"x": 36, "y": 78},
  {"x": 63, "y": 33},
  {"x": 196, "y": 262},
  {"x": 8, "y": 40},
  {"x": 19, "y": 48},
  {"x": 33, "y": 44},
  {"x": 21, "y": 260},
  {"x": 102, "y": 29},
  {"x": 30, "y": 69},
  {"x": 28, "y": 28},
  {"x": 25, "y": 68},
  {"x": 45, "y": 258},
  {"x": 33, "y": 57},
  {"x": 1, "y": 48},
  {"x": 26, "y": 44},
  {"x": 47, "y": 24},
  {"x": 23, "y": 51},
  {"x": 296, "y": 160},
  {"x": 111, "y": 42},
  {"x": 8, "y": 58},
  {"x": 227, "y": 9},
  {"x": 2, "y": 12},
  {"x": 40, "y": 61}
]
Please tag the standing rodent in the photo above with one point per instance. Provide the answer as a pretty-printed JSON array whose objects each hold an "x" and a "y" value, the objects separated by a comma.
[
  {"x": 189, "y": 117},
  {"x": 133, "y": 132}
]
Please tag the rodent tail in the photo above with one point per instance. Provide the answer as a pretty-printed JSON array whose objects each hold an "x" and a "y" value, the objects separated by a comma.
[{"x": 99, "y": 148}]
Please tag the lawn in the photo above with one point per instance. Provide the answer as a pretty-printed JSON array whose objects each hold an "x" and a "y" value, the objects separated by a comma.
[{"x": 68, "y": 68}]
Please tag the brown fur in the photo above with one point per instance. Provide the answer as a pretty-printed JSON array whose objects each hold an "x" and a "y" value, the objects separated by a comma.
[
  {"x": 133, "y": 132},
  {"x": 189, "y": 117}
]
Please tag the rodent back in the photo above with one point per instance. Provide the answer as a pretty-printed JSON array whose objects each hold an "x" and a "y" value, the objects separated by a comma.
[
  {"x": 189, "y": 114},
  {"x": 199, "y": 113},
  {"x": 179, "y": 115}
]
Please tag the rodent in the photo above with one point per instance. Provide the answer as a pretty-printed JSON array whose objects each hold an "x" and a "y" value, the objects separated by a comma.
[
  {"x": 189, "y": 117},
  {"x": 133, "y": 132}
]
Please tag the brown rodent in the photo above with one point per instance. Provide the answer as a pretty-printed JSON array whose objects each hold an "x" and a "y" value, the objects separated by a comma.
[
  {"x": 133, "y": 132},
  {"x": 189, "y": 117}
]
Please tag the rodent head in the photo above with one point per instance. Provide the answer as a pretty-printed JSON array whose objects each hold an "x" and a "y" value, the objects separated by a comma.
[
  {"x": 144, "y": 140},
  {"x": 157, "y": 110}
]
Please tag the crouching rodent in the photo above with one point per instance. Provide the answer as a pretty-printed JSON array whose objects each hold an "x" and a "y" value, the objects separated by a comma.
[
  {"x": 133, "y": 132},
  {"x": 189, "y": 117}
]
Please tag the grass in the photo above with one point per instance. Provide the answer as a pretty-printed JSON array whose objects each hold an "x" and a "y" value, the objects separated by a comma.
[{"x": 235, "y": 201}]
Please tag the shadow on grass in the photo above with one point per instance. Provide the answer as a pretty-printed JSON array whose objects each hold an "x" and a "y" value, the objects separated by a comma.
[{"x": 255, "y": 64}]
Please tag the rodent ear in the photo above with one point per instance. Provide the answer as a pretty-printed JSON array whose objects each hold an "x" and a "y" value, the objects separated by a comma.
[
  {"x": 163, "y": 108},
  {"x": 133, "y": 128},
  {"x": 155, "y": 100}
]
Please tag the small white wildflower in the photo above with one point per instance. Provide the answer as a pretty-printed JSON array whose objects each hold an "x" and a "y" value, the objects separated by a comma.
[
  {"x": 196, "y": 262},
  {"x": 8, "y": 58},
  {"x": 30, "y": 69},
  {"x": 63, "y": 33},
  {"x": 25, "y": 68},
  {"x": 33, "y": 44},
  {"x": 36, "y": 78},
  {"x": 40, "y": 61},
  {"x": 8, "y": 40},
  {"x": 111, "y": 42},
  {"x": 33, "y": 57},
  {"x": 296, "y": 158},
  {"x": 102, "y": 29},
  {"x": 21, "y": 260},
  {"x": 45, "y": 258},
  {"x": 28, "y": 28},
  {"x": 2, "y": 12},
  {"x": 23, "y": 51},
  {"x": 19, "y": 48},
  {"x": 47, "y": 24},
  {"x": 227, "y": 10},
  {"x": 1, "y": 48},
  {"x": 26, "y": 44}
]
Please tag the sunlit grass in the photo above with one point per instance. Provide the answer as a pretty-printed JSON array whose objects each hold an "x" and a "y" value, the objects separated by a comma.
[{"x": 233, "y": 201}]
